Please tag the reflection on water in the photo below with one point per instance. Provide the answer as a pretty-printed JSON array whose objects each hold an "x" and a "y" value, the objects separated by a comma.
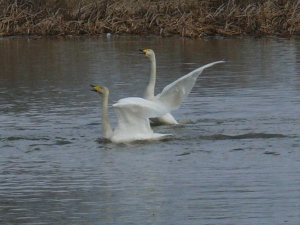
[{"x": 234, "y": 159}]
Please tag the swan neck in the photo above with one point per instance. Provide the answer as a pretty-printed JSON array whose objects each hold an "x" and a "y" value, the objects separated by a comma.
[
  {"x": 106, "y": 128},
  {"x": 149, "y": 92}
]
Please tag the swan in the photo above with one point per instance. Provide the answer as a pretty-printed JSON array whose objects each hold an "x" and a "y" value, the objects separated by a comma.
[
  {"x": 132, "y": 114},
  {"x": 180, "y": 87}
]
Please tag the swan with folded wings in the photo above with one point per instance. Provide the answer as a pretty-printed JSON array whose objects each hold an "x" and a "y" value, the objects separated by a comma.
[
  {"x": 179, "y": 88},
  {"x": 132, "y": 114}
]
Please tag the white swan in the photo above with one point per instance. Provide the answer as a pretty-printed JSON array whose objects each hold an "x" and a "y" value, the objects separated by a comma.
[
  {"x": 132, "y": 114},
  {"x": 181, "y": 88}
]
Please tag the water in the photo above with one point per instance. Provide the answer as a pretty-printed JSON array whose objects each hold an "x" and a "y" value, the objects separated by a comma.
[{"x": 236, "y": 161}]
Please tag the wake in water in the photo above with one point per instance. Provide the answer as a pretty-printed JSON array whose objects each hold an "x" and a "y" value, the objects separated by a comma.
[{"x": 241, "y": 136}]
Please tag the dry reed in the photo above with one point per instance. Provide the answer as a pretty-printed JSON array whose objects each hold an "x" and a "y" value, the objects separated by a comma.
[{"x": 188, "y": 18}]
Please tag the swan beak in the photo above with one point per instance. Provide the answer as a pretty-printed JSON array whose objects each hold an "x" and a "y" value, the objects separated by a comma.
[
  {"x": 143, "y": 51},
  {"x": 95, "y": 88}
]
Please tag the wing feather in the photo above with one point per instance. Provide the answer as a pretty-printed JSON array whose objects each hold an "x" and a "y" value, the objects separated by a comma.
[
  {"x": 175, "y": 93},
  {"x": 133, "y": 117}
]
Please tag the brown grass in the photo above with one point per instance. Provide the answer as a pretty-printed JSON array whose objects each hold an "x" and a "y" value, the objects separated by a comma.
[{"x": 188, "y": 18}]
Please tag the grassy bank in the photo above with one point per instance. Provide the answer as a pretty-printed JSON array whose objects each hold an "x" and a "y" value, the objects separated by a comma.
[{"x": 188, "y": 18}]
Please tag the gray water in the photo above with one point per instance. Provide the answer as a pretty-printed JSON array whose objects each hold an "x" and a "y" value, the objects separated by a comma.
[{"x": 234, "y": 159}]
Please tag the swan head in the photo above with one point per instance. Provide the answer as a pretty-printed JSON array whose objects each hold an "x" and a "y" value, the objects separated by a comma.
[
  {"x": 101, "y": 90},
  {"x": 148, "y": 52}
]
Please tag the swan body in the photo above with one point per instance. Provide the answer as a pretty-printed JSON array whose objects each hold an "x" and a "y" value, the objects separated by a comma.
[
  {"x": 132, "y": 114},
  {"x": 179, "y": 89}
]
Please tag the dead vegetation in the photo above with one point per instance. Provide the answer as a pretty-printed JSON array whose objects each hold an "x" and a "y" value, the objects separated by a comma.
[{"x": 188, "y": 18}]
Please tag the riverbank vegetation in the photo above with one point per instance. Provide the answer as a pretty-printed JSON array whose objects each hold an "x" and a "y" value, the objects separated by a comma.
[{"x": 187, "y": 18}]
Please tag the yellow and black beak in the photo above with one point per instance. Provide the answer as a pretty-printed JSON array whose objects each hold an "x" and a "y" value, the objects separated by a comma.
[
  {"x": 95, "y": 88},
  {"x": 143, "y": 51}
]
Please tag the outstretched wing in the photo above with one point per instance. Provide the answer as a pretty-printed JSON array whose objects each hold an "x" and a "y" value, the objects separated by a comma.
[
  {"x": 133, "y": 114},
  {"x": 174, "y": 94}
]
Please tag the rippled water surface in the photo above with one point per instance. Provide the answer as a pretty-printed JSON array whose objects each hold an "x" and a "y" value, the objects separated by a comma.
[{"x": 234, "y": 159}]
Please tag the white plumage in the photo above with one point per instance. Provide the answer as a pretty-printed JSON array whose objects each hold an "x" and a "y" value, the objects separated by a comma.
[
  {"x": 173, "y": 94},
  {"x": 132, "y": 114}
]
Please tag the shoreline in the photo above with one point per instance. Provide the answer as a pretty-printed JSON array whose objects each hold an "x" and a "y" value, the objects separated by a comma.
[{"x": 189, "y": 18}]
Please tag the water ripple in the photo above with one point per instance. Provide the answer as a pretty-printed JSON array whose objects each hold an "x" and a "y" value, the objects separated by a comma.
[{"x": 242, "y": 136}]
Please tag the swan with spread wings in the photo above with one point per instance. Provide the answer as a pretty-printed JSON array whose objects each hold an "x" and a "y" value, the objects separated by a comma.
[{"x": 179, "y": 88}]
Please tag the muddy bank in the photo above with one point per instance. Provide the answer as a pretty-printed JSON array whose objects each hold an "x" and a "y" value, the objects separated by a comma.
[{"x": 187, "y": 18}]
